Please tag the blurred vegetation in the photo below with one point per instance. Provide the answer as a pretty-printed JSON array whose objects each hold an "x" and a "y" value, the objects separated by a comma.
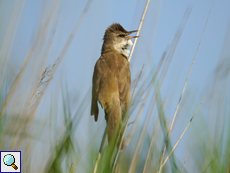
[{"x": 52, "y": 142}]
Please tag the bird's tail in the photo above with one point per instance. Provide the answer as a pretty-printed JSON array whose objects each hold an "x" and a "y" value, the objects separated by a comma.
[
  {"x": 114, "y": 125},
  {"x": 94, "y": 108}
]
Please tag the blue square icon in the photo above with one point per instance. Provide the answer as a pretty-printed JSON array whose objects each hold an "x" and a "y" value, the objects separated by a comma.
[{"x": 10, "y": 161}]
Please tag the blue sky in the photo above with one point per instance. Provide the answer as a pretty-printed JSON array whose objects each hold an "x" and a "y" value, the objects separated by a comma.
[{"x": 160, "y": 25}]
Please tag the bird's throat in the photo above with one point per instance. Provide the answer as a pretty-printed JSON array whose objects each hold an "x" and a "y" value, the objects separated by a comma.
[{"x": 123, "y": 46}]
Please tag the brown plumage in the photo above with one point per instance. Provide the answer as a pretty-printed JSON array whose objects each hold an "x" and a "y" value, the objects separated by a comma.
[{"x": 112, "y": 78}]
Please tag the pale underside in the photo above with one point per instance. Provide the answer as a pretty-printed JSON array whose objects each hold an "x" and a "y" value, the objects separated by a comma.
[{"x": 123, "y": 46}]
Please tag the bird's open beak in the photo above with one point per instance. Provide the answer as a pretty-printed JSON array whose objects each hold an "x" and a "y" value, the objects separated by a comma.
[{"x": 130, "y": 32}]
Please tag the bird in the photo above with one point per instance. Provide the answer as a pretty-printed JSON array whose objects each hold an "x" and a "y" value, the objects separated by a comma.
[{"x": 112, "y": 79}]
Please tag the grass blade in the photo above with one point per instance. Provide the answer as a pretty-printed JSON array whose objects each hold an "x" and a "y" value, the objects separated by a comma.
[
  {"x": 184, "y": 163},
  {"x": 180, "y": 137}
]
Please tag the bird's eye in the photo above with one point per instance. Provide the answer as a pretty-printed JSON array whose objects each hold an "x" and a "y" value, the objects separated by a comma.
[{"x": 121, "y": 35}]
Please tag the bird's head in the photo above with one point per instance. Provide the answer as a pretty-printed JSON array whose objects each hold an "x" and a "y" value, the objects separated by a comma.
[{"x": 116, "y": 37}]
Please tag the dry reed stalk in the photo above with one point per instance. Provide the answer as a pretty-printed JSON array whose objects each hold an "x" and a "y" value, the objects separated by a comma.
[
  {"x": 143, "y": 133},
  {"x": 149, "y": 91},
  {"x": 173, "y": 48},
  {"x": 180, "y": 138},
  {"x": 28, "y": 58},
  {"x": 169, "y": 59},
  {"x": 36, "y": 93},
  {"x": 147, "y": 82},
  {"x": 9, "y": 39},
  {"x": 138, "y": 115},
  {"x": 174, "y": 44},
  {"x": 139, "y": 76},
  {"x": 186, "y": 95},
  {"x": 139, "y": 28},
  {"x": 142, "y": 136},
  {"x": 52, "y": 69},
  {"x": 222, "y": 72},
  {"x": 32, "y": 108},
  {"x": 162, "y": 155},
  {"x": 45, "y": 74},
  {"x": 175, "y": 113},
  {"x": 42, "y": 68},
  {"x": 140, "y": 144},
  {"x": 141, "y": 90},
  {"x": 9, "y": 36},
  {"x": 184, "y": 163},
  {"x": 151, "y": 145}
]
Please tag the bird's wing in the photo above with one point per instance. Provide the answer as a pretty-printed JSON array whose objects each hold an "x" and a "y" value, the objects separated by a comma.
[
  {"x": 124, "y": 81},
  {"x": 95, "y": 88}
]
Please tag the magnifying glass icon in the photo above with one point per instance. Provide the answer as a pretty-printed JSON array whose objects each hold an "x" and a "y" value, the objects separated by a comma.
[{"x": 9, "y": 160}]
